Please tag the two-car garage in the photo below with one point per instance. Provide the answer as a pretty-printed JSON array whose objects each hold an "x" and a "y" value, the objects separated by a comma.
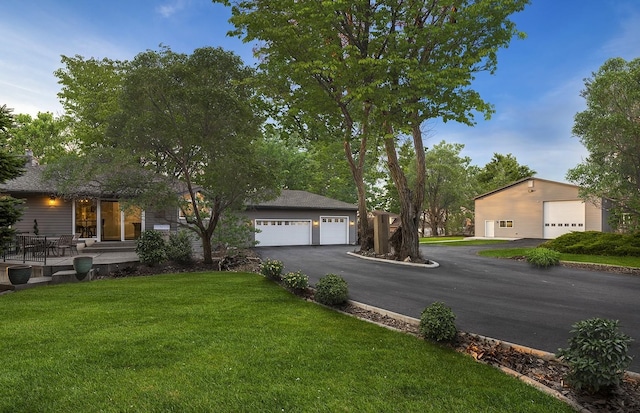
[
  {"x": 334, "y": 230},
  {"x": 303, "y": 218}
]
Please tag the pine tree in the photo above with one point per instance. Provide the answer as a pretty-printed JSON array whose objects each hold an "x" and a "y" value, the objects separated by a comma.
[{"x": 10, "y": 168}]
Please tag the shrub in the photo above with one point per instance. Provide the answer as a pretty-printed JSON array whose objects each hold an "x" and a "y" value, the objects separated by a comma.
[
  {"x": 332, "y": 290},
  {"x": 437, "y": 322},
  {"x": 543, "y": 257},
  {"x": 180, "y": 247},
  {"x": 272, "y": 269},
  {"x": 234, "y": 231},
  {"x": 596, "y": 243},
  {"x": 597, "y": 355},
  {"x": 296, "y": 280},
  {"x": 151, "y": 248}
]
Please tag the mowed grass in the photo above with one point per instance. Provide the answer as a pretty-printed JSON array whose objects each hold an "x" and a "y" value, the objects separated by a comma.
[
  {"x": 583, "y": 258},
  {"x": 458, "y": 241},
  {"x": 227, "y": 342}
]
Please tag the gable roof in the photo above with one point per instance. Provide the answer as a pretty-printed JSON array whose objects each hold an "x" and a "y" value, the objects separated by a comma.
[
  {"x": 296, "y": 199},
  {"x": 31, "y": 181},
  {"x": 531, "y": 178}
]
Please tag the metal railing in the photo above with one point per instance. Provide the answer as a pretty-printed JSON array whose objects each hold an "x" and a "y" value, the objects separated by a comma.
[{"x": 28, "y": 248}]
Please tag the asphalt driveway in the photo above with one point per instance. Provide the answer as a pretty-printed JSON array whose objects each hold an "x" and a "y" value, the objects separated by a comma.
[{"x": 503, "y": 299}]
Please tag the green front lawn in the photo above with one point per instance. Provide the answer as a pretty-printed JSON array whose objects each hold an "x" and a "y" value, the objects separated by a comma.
[
  {"x": 458, "y": 241},
  {"x": 227, "y": 342},
  {"x": 591, "y": 259},
  {"x": 426, "y": 240}
]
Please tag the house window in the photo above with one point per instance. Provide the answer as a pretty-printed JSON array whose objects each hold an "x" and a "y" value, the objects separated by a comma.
[{"x": 506, "y": 224}]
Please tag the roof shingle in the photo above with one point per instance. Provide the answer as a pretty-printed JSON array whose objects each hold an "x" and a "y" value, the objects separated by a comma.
[{"x": 296, "y": 199}]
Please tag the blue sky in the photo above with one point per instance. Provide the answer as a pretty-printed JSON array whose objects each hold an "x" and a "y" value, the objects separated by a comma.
[{"x": 535, "y": 91}]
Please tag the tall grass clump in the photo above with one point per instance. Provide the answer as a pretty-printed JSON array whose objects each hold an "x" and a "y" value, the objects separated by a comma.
[{"x": 543, "y": 257}]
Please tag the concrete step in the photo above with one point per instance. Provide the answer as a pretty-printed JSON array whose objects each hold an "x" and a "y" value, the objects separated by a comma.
[
  {"x": 33, "y": 282},
  {"x": 67, "y": 276},
  {"x": 102, "y": 247}
]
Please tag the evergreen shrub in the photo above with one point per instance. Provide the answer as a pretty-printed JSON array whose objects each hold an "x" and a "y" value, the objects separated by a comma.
[
  {"x": 180, "y": 247},
  {"x": 437, "y": 323},
  {"x": 332, "y": 290},
  {"x": 596, "y": 243}
]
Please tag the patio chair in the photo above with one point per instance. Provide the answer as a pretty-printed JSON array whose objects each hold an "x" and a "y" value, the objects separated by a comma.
[
  {"x": 63, "y": 243},
  {"x": 74, "y": 243}
]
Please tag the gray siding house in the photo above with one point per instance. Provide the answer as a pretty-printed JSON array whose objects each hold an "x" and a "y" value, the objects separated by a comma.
[
  {"x": 536, "y": 208},
  {"x": 294, "y": 218},
  {"x": 96, "y": 217}
]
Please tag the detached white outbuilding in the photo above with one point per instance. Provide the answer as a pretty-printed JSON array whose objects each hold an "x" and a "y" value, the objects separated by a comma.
[{"x": 537, "y": 208}]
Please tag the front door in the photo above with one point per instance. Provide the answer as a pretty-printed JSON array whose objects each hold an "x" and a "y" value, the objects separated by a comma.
[{"x": 489, "y": 229}]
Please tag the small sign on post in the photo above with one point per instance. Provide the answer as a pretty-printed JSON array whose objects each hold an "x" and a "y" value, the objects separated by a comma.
[
  {"x": 381, "y": 234},
  {"x": 164, "y": 229}
]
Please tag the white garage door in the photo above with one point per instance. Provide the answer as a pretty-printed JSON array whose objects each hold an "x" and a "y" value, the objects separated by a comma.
[
  {"x": 274, "y": 232},
  {"x": 561, "y": 217},
  {"x": 334, "y": 230}
]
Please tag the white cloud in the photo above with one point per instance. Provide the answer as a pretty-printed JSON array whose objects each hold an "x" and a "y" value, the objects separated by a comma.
[
  {"x": 169, "y": 9},
  {"x": 626, "y": 43}
]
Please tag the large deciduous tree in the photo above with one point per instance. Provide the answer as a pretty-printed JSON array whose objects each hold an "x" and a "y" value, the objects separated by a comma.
[
  {"x": 89, "y": 95},
  {"x": 180, "y": 123},
  {"x": 43, "y": 135},
  {"x": 610, "y": 130},
  {"x": 449, "y": 187},
  {"x": 383, "y": 67},
  {"x": 500, "y": 171}
]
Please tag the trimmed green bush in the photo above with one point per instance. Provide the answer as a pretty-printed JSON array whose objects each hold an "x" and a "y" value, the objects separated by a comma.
[
  {"x": 437, "y": 323},
  {"x": 596, "y": 243},
  {"x": 180, "y": 247},
  {"x": 296, "y": 280},
  {"x": 543, "y": 257},
  {"x": 272, "y": 269},
  {"x": 597, "y": 355},
  {"x": 151, "y": 248},
  {"x": 332, "y": 290}
]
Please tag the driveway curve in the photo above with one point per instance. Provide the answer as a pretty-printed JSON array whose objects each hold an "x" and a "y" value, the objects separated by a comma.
[{"x": 504, "y": 299}]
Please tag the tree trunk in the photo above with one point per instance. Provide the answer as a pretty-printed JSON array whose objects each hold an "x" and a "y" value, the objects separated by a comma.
[
  {"x": 434, "y": 224},
  {"x": 207, "y": 252},
  {"x": 409, "y": 214},
  {"x": 365, "y": 238}
]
